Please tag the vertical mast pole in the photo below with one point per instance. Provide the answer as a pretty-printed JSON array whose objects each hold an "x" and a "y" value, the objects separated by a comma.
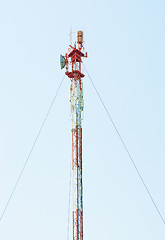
[{"x": 73, "y": 61}]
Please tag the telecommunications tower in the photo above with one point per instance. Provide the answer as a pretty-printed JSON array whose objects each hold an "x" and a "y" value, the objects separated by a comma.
[{"x": 72, "y": 60}]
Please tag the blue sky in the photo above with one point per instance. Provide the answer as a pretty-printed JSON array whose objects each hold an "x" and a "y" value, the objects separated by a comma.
[{"x": 126, "y": 58}]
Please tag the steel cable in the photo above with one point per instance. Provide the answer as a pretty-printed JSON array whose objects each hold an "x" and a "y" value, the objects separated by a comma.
[
  {"x": 124, "y": 145},
  {"x": 31, "y": 150}
]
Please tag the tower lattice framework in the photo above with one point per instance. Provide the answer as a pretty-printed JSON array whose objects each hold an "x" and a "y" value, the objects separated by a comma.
[{"x": 73, "y": 71}]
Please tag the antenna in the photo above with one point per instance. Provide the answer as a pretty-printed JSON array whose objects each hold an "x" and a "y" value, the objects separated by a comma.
[{"x": 71, "y": 35}]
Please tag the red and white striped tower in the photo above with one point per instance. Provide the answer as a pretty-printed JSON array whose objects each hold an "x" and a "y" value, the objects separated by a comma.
[{"x": 73, "y": 71}]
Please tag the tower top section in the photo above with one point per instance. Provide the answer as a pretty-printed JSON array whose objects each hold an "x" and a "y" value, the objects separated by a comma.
[{"x": 73, "y": 59}]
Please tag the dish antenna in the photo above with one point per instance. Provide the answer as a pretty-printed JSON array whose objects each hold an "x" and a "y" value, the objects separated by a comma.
[{"x": 62, "y": 61}]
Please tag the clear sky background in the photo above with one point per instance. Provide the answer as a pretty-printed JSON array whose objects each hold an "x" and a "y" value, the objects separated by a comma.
[{"x": 125, "y": 41}]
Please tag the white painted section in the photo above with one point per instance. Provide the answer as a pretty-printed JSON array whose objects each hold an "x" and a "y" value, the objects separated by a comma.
[{"x": 77, "y": 105}]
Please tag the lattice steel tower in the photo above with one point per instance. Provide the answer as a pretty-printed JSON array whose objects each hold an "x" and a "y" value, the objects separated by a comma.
[{"x": 73, "y": 61}]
